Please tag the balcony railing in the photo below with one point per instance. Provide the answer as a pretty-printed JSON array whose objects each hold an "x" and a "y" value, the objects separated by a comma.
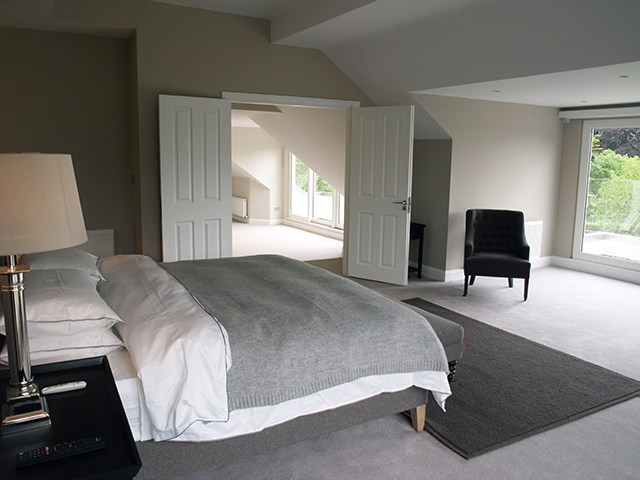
[{"x": 612, "y": 227}]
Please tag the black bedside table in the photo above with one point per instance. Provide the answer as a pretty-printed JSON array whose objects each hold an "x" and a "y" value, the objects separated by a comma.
[{"x": 94, "y": 410}]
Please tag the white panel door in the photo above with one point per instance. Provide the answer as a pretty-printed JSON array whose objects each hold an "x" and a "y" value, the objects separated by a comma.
[
  {"x": 195, "y": 177},
  {"x": 380, "y": 193}
]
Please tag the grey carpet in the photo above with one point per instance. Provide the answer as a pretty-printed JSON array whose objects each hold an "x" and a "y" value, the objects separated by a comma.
[{"x": 508, "y": 388}]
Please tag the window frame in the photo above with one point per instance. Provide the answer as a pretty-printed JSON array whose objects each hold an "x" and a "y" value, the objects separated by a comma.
[
  {"x": 291, "y": 175},
  {"x": 583, "y": 191},
  {"x": 334, "y": 223}
]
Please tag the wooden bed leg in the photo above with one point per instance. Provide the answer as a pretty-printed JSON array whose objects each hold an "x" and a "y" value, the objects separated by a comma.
[{"x": 418, "y": 417}]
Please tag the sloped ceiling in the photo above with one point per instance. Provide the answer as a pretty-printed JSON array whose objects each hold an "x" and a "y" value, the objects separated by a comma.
[
  {"x": 569, "y": 53},
  {"x": 317, "y": 136},
  {"x": 552, "y": 53},
  {"x": 562, "y": 54}
]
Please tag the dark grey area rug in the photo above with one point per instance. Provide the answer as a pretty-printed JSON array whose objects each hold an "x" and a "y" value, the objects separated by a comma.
[{"x": 508, "y": 388}]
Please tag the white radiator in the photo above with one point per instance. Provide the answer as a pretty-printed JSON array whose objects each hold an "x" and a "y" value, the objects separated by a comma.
[
  {"x": 100, "y": 243},
  {"x": 533, "y": 232},
  {"x": 239, "y": 207}
]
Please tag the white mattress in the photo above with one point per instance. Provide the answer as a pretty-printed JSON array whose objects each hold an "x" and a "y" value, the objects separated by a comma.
[{"x": 253, "y": 420}]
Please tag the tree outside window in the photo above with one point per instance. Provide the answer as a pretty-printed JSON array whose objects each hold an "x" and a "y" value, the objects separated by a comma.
[{"x": 613, "y": 202}]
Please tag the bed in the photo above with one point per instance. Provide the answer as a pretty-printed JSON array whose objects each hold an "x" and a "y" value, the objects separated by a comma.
[{"x": 218, "y": 359}]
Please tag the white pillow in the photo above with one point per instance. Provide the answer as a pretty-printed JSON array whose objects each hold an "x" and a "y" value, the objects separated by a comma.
[
  {"x": 63, "y": 302},
  {"x": 67, "y": 258},
  {"x": 91, "y": 343}
]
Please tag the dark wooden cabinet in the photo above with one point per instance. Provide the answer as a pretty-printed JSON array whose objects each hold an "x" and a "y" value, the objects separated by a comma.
[{"x": 416, "y": 232}]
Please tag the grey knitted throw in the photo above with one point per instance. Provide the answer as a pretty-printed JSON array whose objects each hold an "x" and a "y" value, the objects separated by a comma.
[{"x": 295, "y": 329}]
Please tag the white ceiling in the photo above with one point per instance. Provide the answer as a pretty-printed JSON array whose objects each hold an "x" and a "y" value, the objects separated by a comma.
[
  {"x": 569, "y": 53},
  {"x": 614, "y": 84}
]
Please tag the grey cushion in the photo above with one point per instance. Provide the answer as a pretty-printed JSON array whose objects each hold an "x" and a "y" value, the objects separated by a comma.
[{"x": 493, "y": 264}]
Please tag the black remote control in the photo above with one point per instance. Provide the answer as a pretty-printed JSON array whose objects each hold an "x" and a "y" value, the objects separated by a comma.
[{"x": 61, "y": 450}]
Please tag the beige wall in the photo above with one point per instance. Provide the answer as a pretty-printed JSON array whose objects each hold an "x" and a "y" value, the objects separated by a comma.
[
  {"x": 241, "y": 187},
  {"x": 568, "y": 190},
  {"x": 257, "y": 195},
  {"x": 317, "y": 136},
  {"x": 261, "y": 157},
  {"x": 194, "y": 52},
  {"x": 67, "y": 93},
  {"x": 430, "y": 204},
  {"x": 503, "y": 156}
]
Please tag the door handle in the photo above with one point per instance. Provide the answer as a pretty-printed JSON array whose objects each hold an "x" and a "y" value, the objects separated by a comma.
[{"x": 404, "y": 204}]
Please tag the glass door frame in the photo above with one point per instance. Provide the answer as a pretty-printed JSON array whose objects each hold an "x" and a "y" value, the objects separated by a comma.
[{"x": 583, "y": 191}]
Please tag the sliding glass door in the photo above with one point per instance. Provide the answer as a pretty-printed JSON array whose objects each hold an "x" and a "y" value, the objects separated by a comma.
[{"x": 608, "y": 207}]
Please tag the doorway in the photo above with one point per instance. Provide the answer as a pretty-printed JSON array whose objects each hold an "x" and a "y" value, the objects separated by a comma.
[
  {"x": 377, "y": 181},
  {"x": 264, "y": 177}
]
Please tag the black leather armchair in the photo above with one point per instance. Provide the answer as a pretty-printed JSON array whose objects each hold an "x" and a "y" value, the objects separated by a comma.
[{"x": 496, "y": 246}]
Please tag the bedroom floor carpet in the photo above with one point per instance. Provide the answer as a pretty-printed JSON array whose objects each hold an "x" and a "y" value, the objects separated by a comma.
[
  {"x": 282, "y": 240},
  {"x": 508, "y": 388}
]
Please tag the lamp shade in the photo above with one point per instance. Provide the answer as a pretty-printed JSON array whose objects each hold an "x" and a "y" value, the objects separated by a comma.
[{"x": 39, "y": 204}]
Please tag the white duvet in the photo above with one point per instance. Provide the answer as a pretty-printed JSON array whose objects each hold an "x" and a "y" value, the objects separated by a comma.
[
  {"x": 178, "y": 351},
  {"x": 180, "y": 356}
]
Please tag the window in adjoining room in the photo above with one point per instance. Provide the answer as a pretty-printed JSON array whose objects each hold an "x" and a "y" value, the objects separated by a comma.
[{"x": 312, "y": 199}]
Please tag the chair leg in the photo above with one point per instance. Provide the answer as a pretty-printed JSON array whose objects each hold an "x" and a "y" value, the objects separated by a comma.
[
  {"x": 473, "y": 279},
  {"x": 526, "y": 289},
  {"x": 510, "y": 282},
  {"x": 466, "y": 285},
  {"x": 452, "y": 370}
]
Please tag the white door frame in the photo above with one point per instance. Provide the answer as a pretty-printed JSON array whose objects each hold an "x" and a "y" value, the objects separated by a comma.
[
  {"x": 260, "y": 99},
  {"x": 264, "y": 99}
]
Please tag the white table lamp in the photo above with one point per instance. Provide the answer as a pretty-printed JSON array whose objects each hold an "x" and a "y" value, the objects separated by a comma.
[{"x": 39, "y": 211}]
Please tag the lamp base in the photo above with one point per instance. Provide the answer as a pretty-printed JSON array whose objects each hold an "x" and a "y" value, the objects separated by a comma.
[{"x": 25, "y": 413}]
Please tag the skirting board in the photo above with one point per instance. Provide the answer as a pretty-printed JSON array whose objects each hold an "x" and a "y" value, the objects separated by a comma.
[
  {"x": 458, "y": 274},
  {"x": 257, "y": 221},
  {"x": 568, "y": 263},
  {"x": 597, "y": 269}
]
